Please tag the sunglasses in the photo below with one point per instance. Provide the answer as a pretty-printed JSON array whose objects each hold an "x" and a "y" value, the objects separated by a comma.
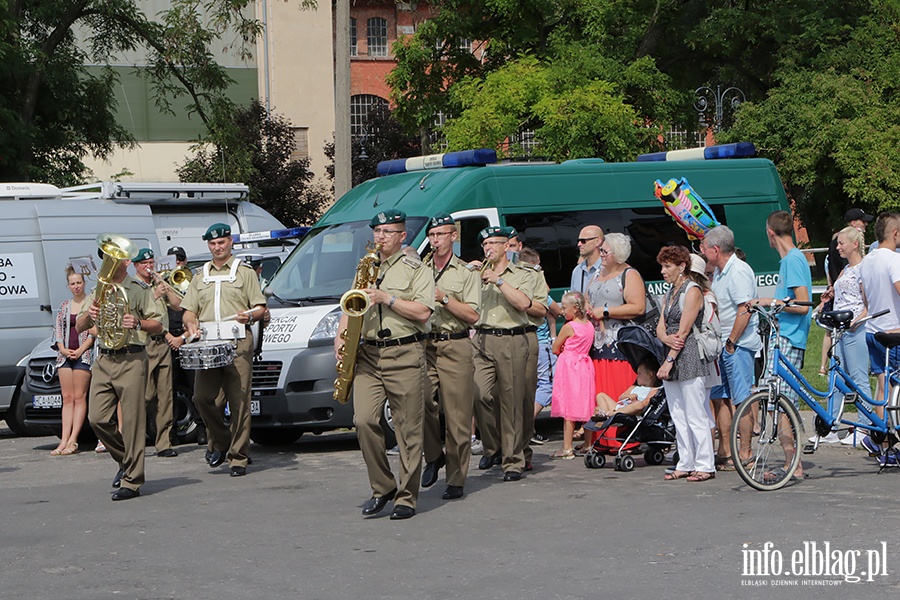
[{"x": 586, "y": 240}]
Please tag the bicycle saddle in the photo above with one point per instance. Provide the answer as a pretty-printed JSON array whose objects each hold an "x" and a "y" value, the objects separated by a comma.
[
  {"x": 838, "y": 319},
  {"x": 888, "y": 340}
]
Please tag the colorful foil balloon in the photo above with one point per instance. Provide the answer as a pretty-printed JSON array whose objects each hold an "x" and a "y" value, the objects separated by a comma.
[{"x": 685, "y": 206}]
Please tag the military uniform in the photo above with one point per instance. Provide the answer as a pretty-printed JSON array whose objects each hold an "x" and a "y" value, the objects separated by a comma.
[
  {"x": 119, "y": 377},
  {"x": 451, "y": 372},
  {"x": 159, "y": 374},
  {"x": 501, "y": 352},
  {"x": 237, "y": 295},
  {"x": 393, "y": 367},
  {"x": 539, "y": 295}
]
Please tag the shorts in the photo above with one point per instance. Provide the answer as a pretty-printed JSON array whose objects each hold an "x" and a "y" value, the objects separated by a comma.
[
  {"x": 876, "y": 354},
  {"x": 75, "y": 364},
  {"x": 737, "y": 375},
  {"x": 794, "y": 356}
]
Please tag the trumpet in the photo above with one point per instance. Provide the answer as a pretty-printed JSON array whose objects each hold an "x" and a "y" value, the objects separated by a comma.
[
  {"x": 486, "y": 265},
  {"x": 179, "y": 279},
  {"x": 428, "y": 255}
]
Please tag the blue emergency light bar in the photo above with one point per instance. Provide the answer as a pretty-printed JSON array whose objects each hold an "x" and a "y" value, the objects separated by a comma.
[
  {"x": 462, "y": 158},
  {"x": 738, "y": 150},
  {"x": 275, "y": 234}
]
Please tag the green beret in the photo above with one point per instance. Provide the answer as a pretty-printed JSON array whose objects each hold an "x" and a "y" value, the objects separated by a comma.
[
  {"x": 511, "y": 232},
  {"x": 493, "y": 231},
  {"x": 219, "y": 230},
  {"x": 143, "y": 254},
  {"x": 391, "y": 215},
  {"x": 438, "y": 220}
]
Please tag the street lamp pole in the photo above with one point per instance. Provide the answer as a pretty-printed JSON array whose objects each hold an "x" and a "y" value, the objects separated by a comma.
[{"x": 706, "y": 97}]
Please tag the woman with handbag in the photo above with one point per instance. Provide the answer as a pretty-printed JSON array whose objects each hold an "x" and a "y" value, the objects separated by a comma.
[
  {"x": 683, "y": 372},
  {"x": 616, "y": 295}
]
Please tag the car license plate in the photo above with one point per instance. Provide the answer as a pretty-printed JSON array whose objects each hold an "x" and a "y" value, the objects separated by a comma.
[
  {"x": 47, "y": 401},
  {"x": 254, "y": 408}
]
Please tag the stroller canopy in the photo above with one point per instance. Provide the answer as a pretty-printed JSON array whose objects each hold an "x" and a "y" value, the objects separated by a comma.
[{"x": 637, "y": 345}]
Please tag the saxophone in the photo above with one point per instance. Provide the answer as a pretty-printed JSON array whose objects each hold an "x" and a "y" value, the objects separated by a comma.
[
  {"x": 355, "y": 303},
  {"x": 111, "y": 296}
]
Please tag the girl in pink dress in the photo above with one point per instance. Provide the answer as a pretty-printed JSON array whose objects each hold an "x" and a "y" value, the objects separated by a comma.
[{"x": 574, "y": 384}]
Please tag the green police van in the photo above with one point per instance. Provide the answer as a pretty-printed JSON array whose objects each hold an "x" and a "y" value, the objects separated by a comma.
[{"x": 547, "y": 203}]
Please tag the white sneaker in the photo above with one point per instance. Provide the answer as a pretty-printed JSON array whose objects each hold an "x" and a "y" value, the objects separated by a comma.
[
  {"x": 851, "y": 440},
  {"x": 477, "y": 447},
  {"x": 395, "y": 451},
  {"x": 831, "y": 438}
]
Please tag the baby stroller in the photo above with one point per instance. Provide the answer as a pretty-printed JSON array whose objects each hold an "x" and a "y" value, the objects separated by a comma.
[{"x": 651, "y": 433}]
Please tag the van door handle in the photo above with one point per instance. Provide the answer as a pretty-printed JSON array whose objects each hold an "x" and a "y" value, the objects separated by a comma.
[{"x": 47, "y": 307}]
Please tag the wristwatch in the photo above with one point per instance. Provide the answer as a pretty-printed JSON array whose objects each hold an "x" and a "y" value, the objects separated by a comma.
[
  {"x": 605, "y": 313},
  {"x": 499, "y": 281},
  {"x": 670, "y": 359},
  {"x": 137, "y": 325},
  {"x": 445, "y": 300}
]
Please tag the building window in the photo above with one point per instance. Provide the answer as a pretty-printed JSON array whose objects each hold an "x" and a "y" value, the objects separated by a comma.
[
  {"x": 678, "y": 139},
  {"x": 465, "y": 44},
  {"x": 353, "y": 36},
  {"x": 376, "y": 32},
  {"x": 360, "y": 107},
  {"x": 301, "y": 138}
]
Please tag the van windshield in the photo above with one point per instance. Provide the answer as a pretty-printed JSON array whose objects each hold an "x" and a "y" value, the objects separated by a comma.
[{"x": 323, "y": 266}]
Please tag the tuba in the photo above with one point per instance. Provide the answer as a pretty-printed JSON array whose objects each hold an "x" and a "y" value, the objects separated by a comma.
[
  {"x": 111, "y": 296},
  {"x": 355, "y": 303}
]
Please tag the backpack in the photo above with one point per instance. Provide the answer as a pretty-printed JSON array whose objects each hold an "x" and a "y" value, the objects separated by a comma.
[
  {"x": 651, "y": 307},
  {"x": 709, "y": 334}
]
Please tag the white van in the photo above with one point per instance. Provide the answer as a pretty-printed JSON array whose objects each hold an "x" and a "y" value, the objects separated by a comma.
[{"x": 43, "y": 228}]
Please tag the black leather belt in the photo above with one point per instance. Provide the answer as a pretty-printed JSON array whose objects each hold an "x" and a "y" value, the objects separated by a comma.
[
  {"x": 416, "y": 337},
  {"x": 158, "y": 338},
  {"x": 443, "y": 337},
  {"x": 501, "y": 332},
  {"x": 132, "y": 349}
]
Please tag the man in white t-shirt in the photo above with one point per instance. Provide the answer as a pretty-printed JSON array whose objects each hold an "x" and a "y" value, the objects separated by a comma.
[{"x": 880, "y": 276}]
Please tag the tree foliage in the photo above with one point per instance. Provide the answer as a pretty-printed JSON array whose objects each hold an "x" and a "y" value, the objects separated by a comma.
[
  {"x": 608, "y": 77},
  {"x": 53, "y": 111},
  {"x": 250, "y": 145}
]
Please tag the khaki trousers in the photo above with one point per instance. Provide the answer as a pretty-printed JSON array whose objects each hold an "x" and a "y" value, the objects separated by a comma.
[
  {"x": 531, "y": 380},
  {"x": 500, "y": 395},
  {"x": 234, "y": 381},
  {"x": 120, "y": 379},
  {"x": 159, "y": 391},
  {"x": 397, "y": 373},
  {"x": 451, "y": 373}
]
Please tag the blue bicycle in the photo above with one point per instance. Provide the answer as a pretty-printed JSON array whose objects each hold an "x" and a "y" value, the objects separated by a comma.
[{"x": 775, "y": 442}]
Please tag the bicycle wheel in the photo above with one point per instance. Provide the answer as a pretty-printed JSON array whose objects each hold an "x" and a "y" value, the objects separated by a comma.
[{"x": 775, "y": 449}]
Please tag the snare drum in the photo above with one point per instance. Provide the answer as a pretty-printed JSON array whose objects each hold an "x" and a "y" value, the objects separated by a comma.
[{"x": 206, "y": 355}]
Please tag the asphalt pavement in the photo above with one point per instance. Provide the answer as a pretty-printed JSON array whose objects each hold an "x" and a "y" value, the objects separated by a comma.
[{"x": 292, "y": 529}]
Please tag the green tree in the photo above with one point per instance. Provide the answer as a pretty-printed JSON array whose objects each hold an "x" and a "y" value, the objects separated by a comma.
[
  {"x": 53, "y": 112},
  {"x": 250, "y": 145}
]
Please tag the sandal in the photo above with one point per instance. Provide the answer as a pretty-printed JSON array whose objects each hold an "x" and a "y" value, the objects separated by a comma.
[
  {"x": 100, "y": 447},
  {"x": 580, "y": 449},
  {"x": 70, "y": 449},
  {"x": 57, "y": 451},
  {"x": 563, "y": 454},
  {"x": 779, "y": 473},
  {"x": 701, "y": 476},
  {"x": 823, "y": 371},
  {"x": 678, "y": 475},
  {"x": 578, "y": 435},
  {"x": 721, "y": 460},
  {"x": 728, "y": 465}
]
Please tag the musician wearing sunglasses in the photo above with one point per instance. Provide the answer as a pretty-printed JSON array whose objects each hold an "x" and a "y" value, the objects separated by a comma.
[
  {"x": 223, "y": 301},
  {"x": 390, "y": 365},
  {"x": 457, "y": 297}
]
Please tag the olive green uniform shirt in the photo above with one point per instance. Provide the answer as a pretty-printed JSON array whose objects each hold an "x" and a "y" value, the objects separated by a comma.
[
  {"x": 140, "y": 303},
  {"x": 459, "y": 283},
  {"x": 408, "y": 279},
  {"x": 236, "y": 296},
  {"x": 162, "y": 306},
  {"x": 539, "y": 292},
  {"x": 496, "y": 312}
]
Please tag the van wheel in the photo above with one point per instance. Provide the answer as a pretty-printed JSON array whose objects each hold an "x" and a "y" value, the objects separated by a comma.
[
  {"x": 185, "y": 428},
  {"x": 275, "y": 437},
  {"x": 15, "y": 420}
]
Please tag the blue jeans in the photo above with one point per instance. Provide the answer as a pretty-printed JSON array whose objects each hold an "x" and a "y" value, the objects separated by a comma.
[
  {"x": 853, "y": 353},
  {"x": 546, "y": 365},
  {"x": 737, "y": 375}
]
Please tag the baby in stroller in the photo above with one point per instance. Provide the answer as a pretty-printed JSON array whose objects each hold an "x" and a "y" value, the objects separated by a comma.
[
  {"x": 639, "y": 421},
  {"x": 634, "y": 400}
]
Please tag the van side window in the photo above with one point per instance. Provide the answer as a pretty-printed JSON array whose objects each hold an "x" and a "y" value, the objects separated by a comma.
[
  {"x": 555, "y": 237},
  {"x": 469, "y": 246}
]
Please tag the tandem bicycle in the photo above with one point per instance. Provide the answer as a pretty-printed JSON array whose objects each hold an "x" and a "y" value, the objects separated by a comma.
[{"x": 777, "y": 431}]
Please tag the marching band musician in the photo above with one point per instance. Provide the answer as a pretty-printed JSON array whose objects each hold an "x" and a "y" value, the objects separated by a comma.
[
  {"x": 391, "y": 365},
  {"x": 501, "y": 352},
  {"x": 457, "y": 297},
  {"x": 159, "y": 373},
  {"x": 119, "y": 378},
  {"x": 226, "y": 299}
]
